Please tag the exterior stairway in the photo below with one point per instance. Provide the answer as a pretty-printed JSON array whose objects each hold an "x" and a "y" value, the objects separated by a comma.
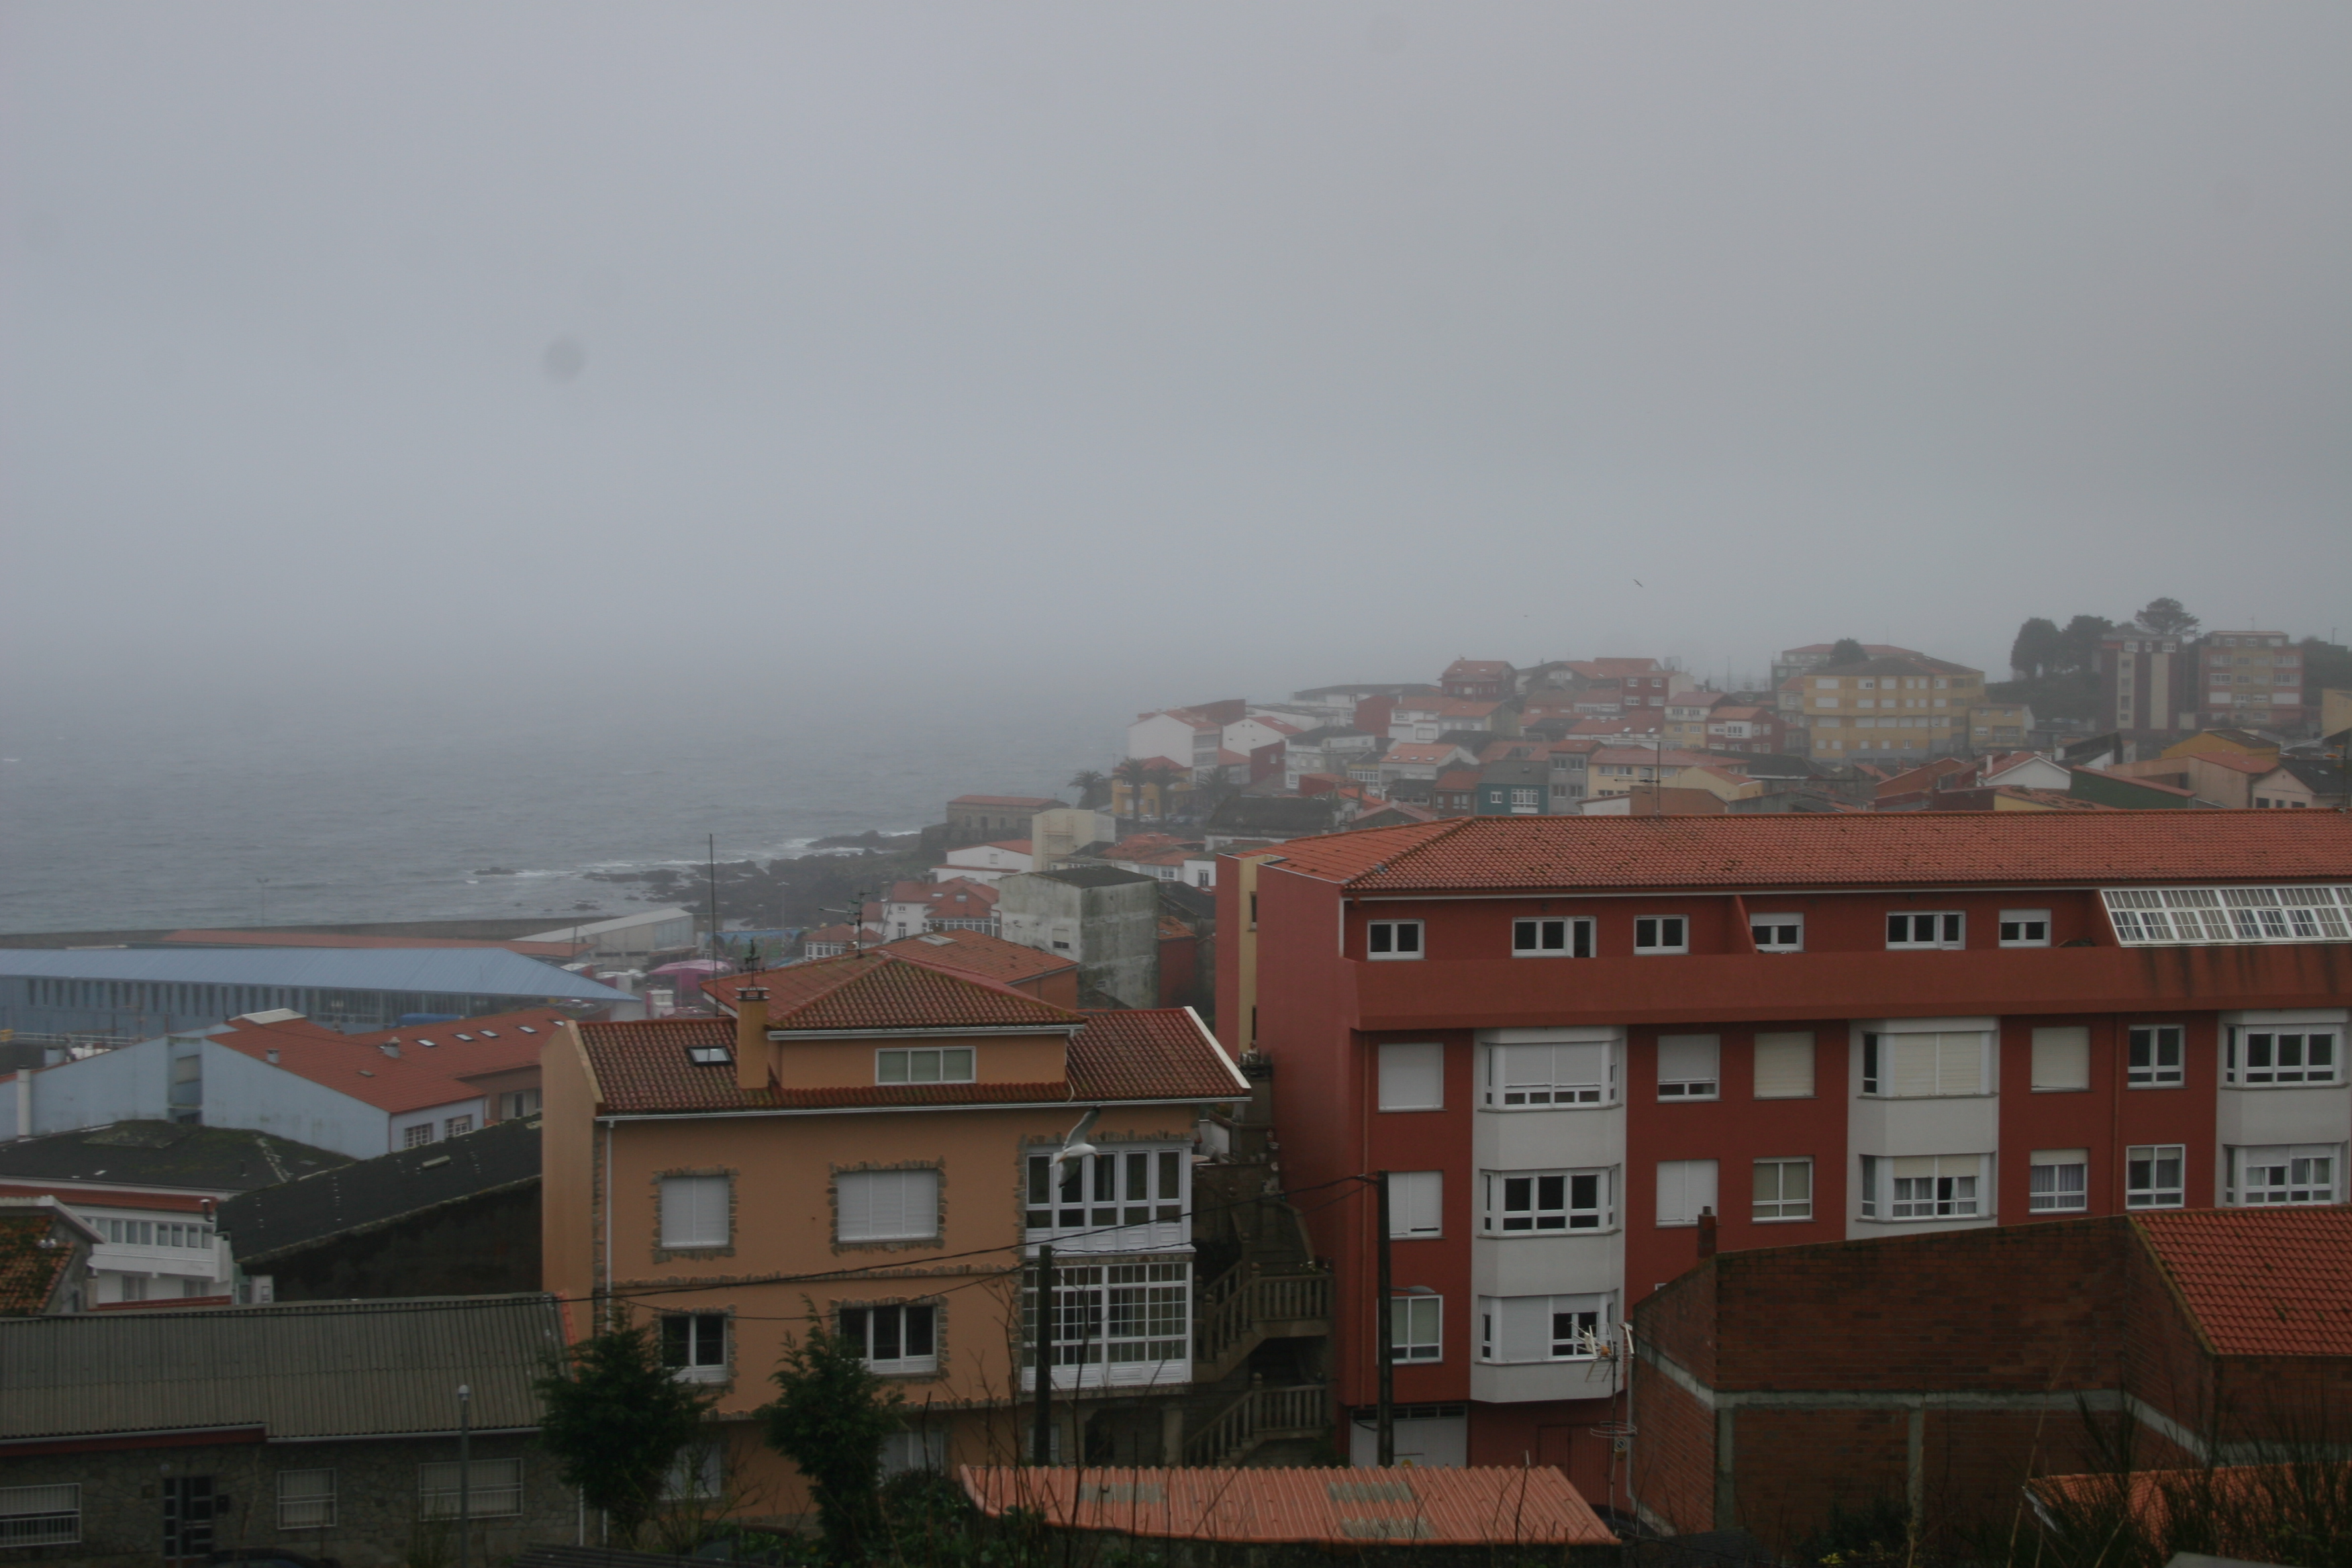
[
  {"x": 1248, "y": 1326},
  {"x": 1258, "y": 1417}
]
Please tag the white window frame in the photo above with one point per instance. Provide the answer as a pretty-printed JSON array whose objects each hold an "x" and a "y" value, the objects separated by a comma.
[
  {"x": 1412, "y": 1076},
  {"x": 1126, "y": 1186},
  {"x": 1549, "y": 1203},
  {"x": 2276, "y": 1042},
  {"x": 306, "y": 1499},
  {"x": 696, "y": 1212},
  {"x": 1695, "y": 1188},
  {"x": 1513, "y": 1083},
  {"x": 898, "y": 1318},
  {"x": 704, "y": 1361},
  {"x": 2156, "y": 1042},
  {"x": 1958, "y": 1187},
  {"x": 2310, "y": 1174},
  {"x": 1790, "y": 1041},
  {"x": 923, "y": 1064},
  {"x": 1416, "y": 1205},
  {"x": 494, "y": 1489},
  {"x": 2031, "y": 928},
  {"x": 1416, "y": 1329},
  {"x": 1949, "y": 931},
  {"x": 2067, "y": 1189},
  {"x": 1552, "y": 936},
  {"x": 1876, "y": 1077},
  {"x": 1580, "y": 1327},
  {"x": 1119, "y": 1322},
  {"x": 2154, "y": 1192},
  {"x": 416, "y": 1135},
  {"x": 1781, "y": 1207},
  {"x": 1388, "y": 940},
  {"x": 2210, "y": 916},
  {"x": 1667, "y": 935},
  {"x": 861, "y": 1213},
  {"x": 1696, "y": 1062},
  {"x": 1786, "y": 933},
  {"x": 41, "y": 1516}
]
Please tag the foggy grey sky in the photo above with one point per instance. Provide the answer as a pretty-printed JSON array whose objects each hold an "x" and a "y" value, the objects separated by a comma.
[{"x": 1152, "y": 351}]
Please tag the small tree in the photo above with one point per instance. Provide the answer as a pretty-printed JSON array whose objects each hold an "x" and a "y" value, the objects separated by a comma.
[
  {"x": 829, "y": 1417},
  {"x": 615, "y": 1420},
  {"x": 1845, "y": 650},
  {"x": 2035, "y": 649},
  {"x": 2166, "y": 618}
]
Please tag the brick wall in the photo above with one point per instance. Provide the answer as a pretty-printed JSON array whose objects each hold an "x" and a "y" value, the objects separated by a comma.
[
  {"x": 1790, "y": 1468},
  {"x": 1674, "y": 1453}
]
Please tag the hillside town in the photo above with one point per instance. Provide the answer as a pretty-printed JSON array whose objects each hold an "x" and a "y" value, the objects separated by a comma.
[{"x": 1884, "y": 992}]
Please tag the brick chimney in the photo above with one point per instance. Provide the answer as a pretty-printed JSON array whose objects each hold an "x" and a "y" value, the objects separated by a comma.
[
  {"x": 1705, "y": 1216},
  {"x": 751, "y": 1038}
]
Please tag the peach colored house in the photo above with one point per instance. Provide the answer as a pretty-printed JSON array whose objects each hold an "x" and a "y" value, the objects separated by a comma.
[{"x": 868, "y": 1139}]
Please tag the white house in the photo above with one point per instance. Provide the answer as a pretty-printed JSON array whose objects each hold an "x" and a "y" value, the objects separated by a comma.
[
  {"x": 1246, "y": 735},
  {"x": 1180, "y": 734},
  {"x": 984, "y": 863},
  {"x": 146, "y": 1245},
  {"x": 2026, "y": 770}
]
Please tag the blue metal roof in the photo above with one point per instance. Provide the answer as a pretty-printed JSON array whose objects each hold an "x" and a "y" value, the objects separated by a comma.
[{"x": 455, "y": 971}]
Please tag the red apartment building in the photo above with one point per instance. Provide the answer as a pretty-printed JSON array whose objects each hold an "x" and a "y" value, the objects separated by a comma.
[{"x": 1585, "y": 1043}]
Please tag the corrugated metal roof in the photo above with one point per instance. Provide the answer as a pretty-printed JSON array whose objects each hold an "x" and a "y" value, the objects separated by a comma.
[
  {"x": 483, "y": 971},
  {"x": 342, "y": 1369},
  {"x": 1489, "y": 1506}
]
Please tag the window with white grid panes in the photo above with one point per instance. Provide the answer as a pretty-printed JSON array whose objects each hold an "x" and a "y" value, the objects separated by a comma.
[
  {"x": 1935, "y": 928},
  {"x": 1520, "y": 1329},
  {"x": 1923, "y": 1186},
  {"x": 1776, "y": 933},
  {"x": 694, "y": 1346},
  {"x": 2025, "y": 928},
  {"x": 1551, "y": 938},
  {"x": 2153, "y": 1175},
  {"x": 1784, "y": 1190},
  {"x": 2058, "y": 1180},
  {"x": 1115, "y": 1323},
  {"x": 1417, "y": 1328},
  {"x": 41, "y": 1516},
  {"x": 2152, "y": 1056},
  {"x": 924, "y": 1064},
  {"x": 2285, "y": 1174},
  {"x": 1547, "y": 1203},
  {"x": 899, "y": 1338},
  {"x": 1661, "y": 934},
  {"x": 2282, "y": 1056},
  {"x": 306, "y": 1499},
  {"x": 1392, "y": 939},
  {"x": 1537, "y": 1076},
  {"x": 1690, "y": 1067},
  {"x": 1117, "y": 1187},
  {"x": 2148, "y": 917}
]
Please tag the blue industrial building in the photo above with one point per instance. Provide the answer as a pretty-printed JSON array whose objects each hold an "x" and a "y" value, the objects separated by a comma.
[{"x": 136, "y": 992}]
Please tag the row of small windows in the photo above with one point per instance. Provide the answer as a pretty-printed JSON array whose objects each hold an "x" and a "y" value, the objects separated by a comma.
[
  {"x": 1574, "y": 936},
  {"x": 1896, "y": 1065},
  {"x": 206, "y": 1000}
]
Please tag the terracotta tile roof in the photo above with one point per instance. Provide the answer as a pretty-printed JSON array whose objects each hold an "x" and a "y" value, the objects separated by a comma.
[
  {"x": 956, "y": 896},
  {"x": 1491, "y": 1505},
  {"x": 87, "y": 1197},
  {"x": 1478, "y": 667},
  {"x": 432, "y": 1067},
  {"x": 2261, "y": 1281},
  {"x": 1931, "y": 849},
  {"x": 1419, "y": 752},
  {"x": 977, "y": 952},
  {"x": 29, "y": 1273},
  {"x": 1147, "y": 1053},
  {"x": 878, "y": 990}
]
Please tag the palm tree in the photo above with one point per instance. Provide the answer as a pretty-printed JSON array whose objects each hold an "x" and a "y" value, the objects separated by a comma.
[
  {"x": 1135, "y": 773},
  {"x": 1162, "y": 778},
  {"x": 1093, "y": 787}
]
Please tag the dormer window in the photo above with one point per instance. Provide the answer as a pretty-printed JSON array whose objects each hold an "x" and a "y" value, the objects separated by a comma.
[{"x": 926, "y": 1064}]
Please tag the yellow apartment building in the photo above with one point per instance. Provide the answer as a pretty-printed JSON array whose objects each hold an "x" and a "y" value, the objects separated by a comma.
[
  {"x": 1902, "y": 709},
  {"x": 870, "y": 1140}
]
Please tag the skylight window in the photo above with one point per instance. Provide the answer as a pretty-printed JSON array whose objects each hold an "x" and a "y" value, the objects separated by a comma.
[
  {"x": 526, "y": 1029},
  {"x": 2172, "y": 917},
  {"x": 469, "y": 1038},
  {"x": 708, "y": 1055}
]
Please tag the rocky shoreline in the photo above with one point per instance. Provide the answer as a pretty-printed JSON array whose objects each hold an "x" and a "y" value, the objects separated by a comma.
[{"x": 808, "y": 889}]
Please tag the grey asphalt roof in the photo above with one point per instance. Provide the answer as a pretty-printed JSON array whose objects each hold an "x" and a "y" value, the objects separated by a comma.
[
  {"x": 332, "y": 1369},
  {"x": 464, "y": 971},
  {"x": 215, "y": 1160},
  {"x": 357, "y": 1197}
]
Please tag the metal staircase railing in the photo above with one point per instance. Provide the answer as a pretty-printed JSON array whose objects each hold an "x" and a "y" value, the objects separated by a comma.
[{"x": 1259, "y": 1416}]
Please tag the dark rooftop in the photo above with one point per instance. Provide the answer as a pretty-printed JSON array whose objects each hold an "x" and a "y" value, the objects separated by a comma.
[
  {"x": 1254, "y": 815},
  {"x": 165, "y": 1154},
  {"x": 367, "y": 1194},
  {"x": 1095, "y": 876}
]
